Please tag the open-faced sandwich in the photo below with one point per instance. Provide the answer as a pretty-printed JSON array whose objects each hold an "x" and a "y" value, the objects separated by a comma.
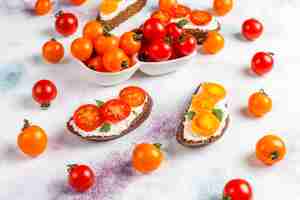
[
  {"x": 112, "y": 13},
  {"x": 206, "y": 118},
  {"x": 104, "y": 121}
]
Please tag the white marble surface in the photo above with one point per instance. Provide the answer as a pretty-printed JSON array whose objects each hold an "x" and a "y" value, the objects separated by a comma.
[{"x": 186, "y": 174}]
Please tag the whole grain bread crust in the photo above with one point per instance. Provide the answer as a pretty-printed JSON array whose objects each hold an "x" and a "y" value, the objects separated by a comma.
[
  {"x": 194, "y": 144},
  {"x": 135, "y": 124},
  {"x": 123, "y": 15}
]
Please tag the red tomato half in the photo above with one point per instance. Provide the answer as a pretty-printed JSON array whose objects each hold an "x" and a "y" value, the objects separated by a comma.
[
  {"x": 87, "y": 117},
  {"x": 133, "y": 95},
  {"x": 115, "y": 110}
]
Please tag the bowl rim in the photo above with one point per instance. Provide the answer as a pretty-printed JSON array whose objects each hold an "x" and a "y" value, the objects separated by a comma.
[
  {"x": 169, "y": 61},
  {"x": 132, "y": 68}
]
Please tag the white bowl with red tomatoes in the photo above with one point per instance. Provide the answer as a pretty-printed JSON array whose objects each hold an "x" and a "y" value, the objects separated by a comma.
[{"x": 165, "y": 48}]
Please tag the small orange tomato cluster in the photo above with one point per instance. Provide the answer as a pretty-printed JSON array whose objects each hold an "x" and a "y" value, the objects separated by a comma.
[{"x": 103, "y": 51}]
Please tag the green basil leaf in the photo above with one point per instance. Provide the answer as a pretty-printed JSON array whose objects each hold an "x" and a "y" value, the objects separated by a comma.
[
  {"x": 105, "y": 128},
  {"x": 218, "y": 113},
  {"x": 190, "y": 115},
  {"x": 99, "y": 102}
]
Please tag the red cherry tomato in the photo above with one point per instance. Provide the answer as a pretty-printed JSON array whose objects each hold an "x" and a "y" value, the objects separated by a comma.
[
  {"x": 174, "y": 30},
  {"x": 115, "y": 110},
  {"x": 81, "y": 177},
  {"x": 43, "y": 92},
  {"x": 134, "y": 96},
  {"x": 252, "y": 29},
  {"x": 153, "y": 29},
  {"x": 237, "y": 189},
  {"x": 180, "y": 10},
  {"x": 87, "y": 117},
  {"x": 186, "y": 44},
  {"x": 262, "y": 63},
  {"x": 66, "y": 23},
  {"x": 159, "y": 50}
]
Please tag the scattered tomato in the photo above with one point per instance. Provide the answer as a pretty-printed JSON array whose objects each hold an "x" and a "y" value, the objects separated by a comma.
[
  {"x": 32, "y": 140},
  {"x": 82, "y": 48},
  {"x": 147, "y": 157},
  {"x": 130, "y": 42},
  {"x": 270, "y": 149},
  {"x": 252, "y": 29},
  {"x": 262, "y": 63},
  {"x": 43, "y": 92},
  {"x": 222, "y": 7},
  {"x": 179, "y": 11},
  {"x": 115, "y": 60},
  {"x": 166, "y": 5},
  {"x": 153, "y": 29},
  {"x": 66, "y": 23},
  {"x": 96, "y": 63},
  {"x": 106, "y": 43},
  {"x": 213, "y": 43},
  {"x": 53, "y": 51},
  {"x": 259, "y": 104},
  {"x": 175, "y": 30},
  {"x": 237, "y": 189},
  {"x": 42, "y": 7},
  {"x": 200, "y": 17},
  {"x": 87, "y": 117},
  {"x": 159, "y": 51},
  {"x": 186, "y": 44},
  {"x": 162, "y": 16},
  {"x": 115, "y": 110},
  {"x": 92, "y": 30},
  {"x": 81, "y": 177},
  {"x": 77, "y": 2},
  {"x": 134, "y": 96}
]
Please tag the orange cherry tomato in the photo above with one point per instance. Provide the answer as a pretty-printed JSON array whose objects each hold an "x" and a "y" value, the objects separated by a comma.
[
  {"x": 166, "y": 5},
  {"x": 106, "y": 43},
  {"x": 202, "y": 102},
  {"x": 32, "y": 140},
  {"x": 53, "y": 51},
  {"x": 42, "y": 7},
  {"x": 92, "y": 30},
  {"x": 180, "y": 10},
  {"x": 200, "y": 17},
  {"x": 147, "y": 157},
  {"x": 270, "y": 149},
  {"x": 222, "y": 7},
  {"x": 162, "y": 16},
  {"x": 115, "y": 60},
  {"x": 213, "y": 43},
  {"x": 108, "y": 6},
  {"x": 77, "y": 2},
  {"x": 134, "y": 96},
  {"x": 96, "y": 63},
  {"x": 82, "y": 48},
  {"x": 214, "y": 90},
  {"x": 205, "y": 123},
  {"x": 115, "y": 110},
  {"x": 87, "y": 117},
  {"x": 130, "y": 42},
  {"x": 259, "y": 104}
]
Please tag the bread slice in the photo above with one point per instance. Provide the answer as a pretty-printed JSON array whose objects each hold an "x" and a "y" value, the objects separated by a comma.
[
  {"x": 123, "y": 15},
  {"x": 135, "y": 124},
  {"x": 194, "y": 144}
]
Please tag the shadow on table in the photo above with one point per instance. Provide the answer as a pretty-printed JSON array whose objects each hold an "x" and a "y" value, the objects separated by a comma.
[{"x": 12, "y": 155}]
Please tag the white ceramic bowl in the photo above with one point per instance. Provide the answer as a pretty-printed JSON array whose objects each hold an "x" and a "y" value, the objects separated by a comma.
[
  {"x": 165, "y": 67},
  {"x": 107, "y": 78}
]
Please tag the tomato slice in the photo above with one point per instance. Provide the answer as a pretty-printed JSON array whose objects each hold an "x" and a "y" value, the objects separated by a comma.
[
  {"x": 133, "y": 95},
  {"x": 200, "y": 17},
  {"x": 115, "y": 110},
  {"x": 87, "y": 117},
  {"x": 180, "y": 10}
]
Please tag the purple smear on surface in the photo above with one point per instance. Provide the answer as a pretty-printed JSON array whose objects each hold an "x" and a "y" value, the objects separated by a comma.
[{"x": 116, "y": 173}]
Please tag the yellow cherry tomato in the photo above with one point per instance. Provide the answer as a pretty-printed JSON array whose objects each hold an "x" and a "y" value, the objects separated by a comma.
[
  {"x": 205, "y": 123},
  {"x": 214, "y": 90},
  {"x": 202, "y": 102},
  {"x": 222, "y": 7},
  {"x": 213, "y": 43},
  {"x": 92, "y": 30},
  {"x": 259, "y": 104}
]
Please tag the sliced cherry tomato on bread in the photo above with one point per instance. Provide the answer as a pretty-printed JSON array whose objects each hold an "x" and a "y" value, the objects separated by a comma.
[
  {"x": 205, "y": 123},
  {"x": 87, "y": 117},
  {"x": 214, "y": 90},
  {"x": 200, "y": 17},
  {"x": 115, "y": 110},
  {"x": 180, "y": 10},
  {"x": 133, "y": 95},
  {"x": 203, "y": 102}
]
